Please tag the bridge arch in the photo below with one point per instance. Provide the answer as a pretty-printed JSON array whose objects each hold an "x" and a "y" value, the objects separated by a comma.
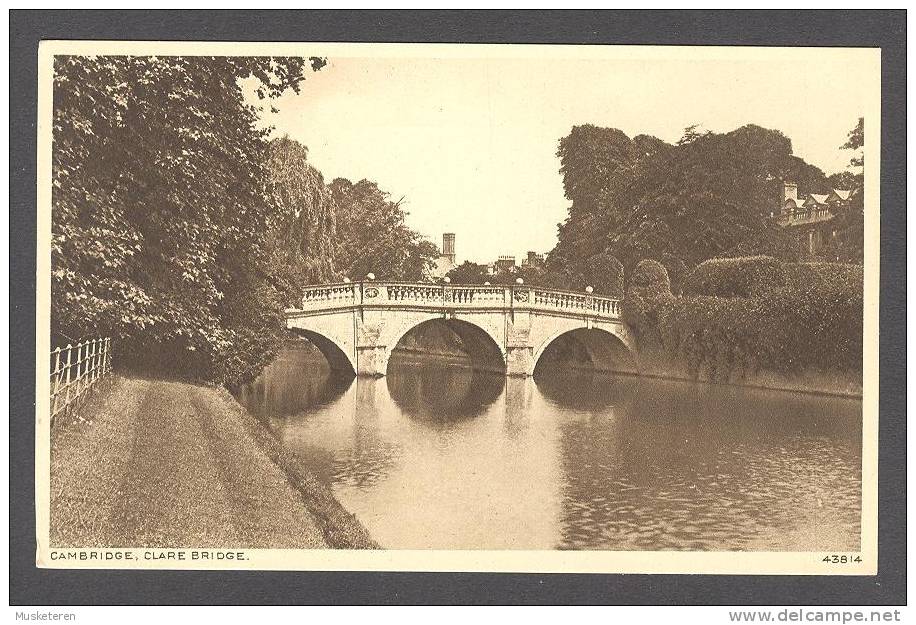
[
  {"x": 337, "y": 357},
  {"x": 483, "y": 350},
  {"x": 600, "y": 349}
]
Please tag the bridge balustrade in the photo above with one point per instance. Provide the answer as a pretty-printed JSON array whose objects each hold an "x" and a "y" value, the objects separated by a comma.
[
  {"x": 330, "y": 296},
  {"x": 333, "y": 296}
]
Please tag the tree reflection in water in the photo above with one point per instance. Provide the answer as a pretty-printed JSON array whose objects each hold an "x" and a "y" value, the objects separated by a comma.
[
  {"x": 440, "y": 456},
  {"x": 686, "y": 466},
  {"x": 297, "y": 380}
]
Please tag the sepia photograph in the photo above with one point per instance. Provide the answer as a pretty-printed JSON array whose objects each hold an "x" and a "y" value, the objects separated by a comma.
[{"x": 458, "y": 307}]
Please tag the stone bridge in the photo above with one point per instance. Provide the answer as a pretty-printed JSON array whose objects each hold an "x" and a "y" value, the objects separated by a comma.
[{"x": 508, "y": 329}]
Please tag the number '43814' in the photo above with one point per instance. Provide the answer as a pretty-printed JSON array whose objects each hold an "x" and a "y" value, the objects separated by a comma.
[{"x": 841, "y": 559}]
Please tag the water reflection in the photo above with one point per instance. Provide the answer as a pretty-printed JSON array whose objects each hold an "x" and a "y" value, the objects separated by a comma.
[
  {"x": 443, "y": 457},
  {"x": 299, "y": 379},
  {"x": 426, "y": 390}
]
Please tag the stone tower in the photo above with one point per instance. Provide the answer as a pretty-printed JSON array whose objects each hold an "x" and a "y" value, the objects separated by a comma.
[{"x": 448, "y": 246}]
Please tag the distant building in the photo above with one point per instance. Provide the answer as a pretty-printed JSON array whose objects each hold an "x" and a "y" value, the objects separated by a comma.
[
  {"x": 446, "y": 261},
  {"x": 809, "y": 217},
  {"x": 503, "y": 264},
  {"x": 533, "y": 260}
]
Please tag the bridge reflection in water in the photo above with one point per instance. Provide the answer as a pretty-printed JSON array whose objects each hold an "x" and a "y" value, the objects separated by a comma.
[{"x": 440, "y": 456}]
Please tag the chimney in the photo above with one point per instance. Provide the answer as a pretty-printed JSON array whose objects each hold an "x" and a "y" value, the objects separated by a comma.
[
  {"x": 448, "y": 245},
  {"x": 789, "y": 191}
]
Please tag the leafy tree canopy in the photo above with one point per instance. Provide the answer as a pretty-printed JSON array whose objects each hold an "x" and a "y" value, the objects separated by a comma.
[
  {"x": 302, "y": 230},
  {"x": 161, "y": 206},
  {"x": 706, "y": 196},
  {"x": 469, "y": 273},
  {"x": 373, "y": 236},
  {"x": 848, "y": 244}
]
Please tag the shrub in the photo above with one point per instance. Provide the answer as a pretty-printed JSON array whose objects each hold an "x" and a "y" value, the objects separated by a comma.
[
  {"x": 677, "y": 272},
  {"x": 821, "y": 309},
  {"x": 604, "y": 273},
  {"x": 841, "y": 277},
  {"x": 649, "y": 291},
  {"x": 736, "y": 277}
]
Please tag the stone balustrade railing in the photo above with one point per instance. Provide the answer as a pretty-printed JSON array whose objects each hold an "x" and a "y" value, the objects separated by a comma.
[
  {"x": 805, "y": 218},
  {"x": 521, "y": 297}
]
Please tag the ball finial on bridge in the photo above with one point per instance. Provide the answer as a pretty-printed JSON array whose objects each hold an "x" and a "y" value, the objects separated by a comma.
[
  {"x": 370, "y": 276},
  {"x": 589, "y": 290},
  {"x": 446, "y": 279},
  {"x": 519, "y": 281},
  {"x": 346, "y": 280}
]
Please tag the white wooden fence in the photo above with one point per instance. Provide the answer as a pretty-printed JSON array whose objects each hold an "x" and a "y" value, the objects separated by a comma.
[{"x": 75, "y": 370}]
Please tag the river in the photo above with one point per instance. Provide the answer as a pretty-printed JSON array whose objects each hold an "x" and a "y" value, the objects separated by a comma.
[{"x": 437, "y": 456}]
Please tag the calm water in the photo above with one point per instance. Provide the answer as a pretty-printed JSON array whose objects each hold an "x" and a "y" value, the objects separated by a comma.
[{"x": 434, "y": 456}]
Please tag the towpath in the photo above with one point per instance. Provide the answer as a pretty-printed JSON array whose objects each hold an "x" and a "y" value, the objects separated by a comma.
[{"x": 168, "y": 464}]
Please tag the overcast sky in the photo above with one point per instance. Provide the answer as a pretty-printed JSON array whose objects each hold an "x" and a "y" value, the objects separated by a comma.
[{"x": 471, "y": 143}]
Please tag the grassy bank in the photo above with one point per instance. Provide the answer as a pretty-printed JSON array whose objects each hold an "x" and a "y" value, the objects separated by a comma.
[{"x": 160, "y": 463}]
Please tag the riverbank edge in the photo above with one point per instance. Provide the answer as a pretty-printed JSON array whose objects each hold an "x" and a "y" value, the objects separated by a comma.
[
  {"x": 827, "y": 386},
  {"x": 806, "y": 390},
  {"x": 341, "y": 528},
  {"x": 843, "y": 384},
  {"x": 834, "y": 383}
]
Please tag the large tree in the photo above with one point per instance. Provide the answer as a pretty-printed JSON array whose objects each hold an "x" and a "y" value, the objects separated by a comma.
[
  {"x": 848, "y": 244},
  {"x": 710, "y": 194},
  {"x": 469, "y": 273},
  {"x": 373, "y": 236},
  {"x": 161, "y": 206},
  {"x": 302, "y": 230},
  {"x": 598, "y": 166}
]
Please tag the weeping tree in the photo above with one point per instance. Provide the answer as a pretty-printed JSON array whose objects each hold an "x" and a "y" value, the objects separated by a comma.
[{"x": 302, "y": 229}]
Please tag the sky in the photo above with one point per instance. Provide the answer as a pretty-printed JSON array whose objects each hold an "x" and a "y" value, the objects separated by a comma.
[{"x": 470, "y": 143}]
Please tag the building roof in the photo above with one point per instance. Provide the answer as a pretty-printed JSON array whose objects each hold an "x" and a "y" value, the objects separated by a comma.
[
  {"x": 818, "y": 198},
  {"x": 843, "y": 194},
  {"x": 796, "y": 202}
]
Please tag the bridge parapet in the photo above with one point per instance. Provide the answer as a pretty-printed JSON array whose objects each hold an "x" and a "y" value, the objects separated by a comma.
[{"x": 465, "y": 297}]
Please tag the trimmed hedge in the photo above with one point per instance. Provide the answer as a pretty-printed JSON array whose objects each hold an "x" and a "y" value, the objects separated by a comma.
[
  {"x": 802, "y": 316},
  {"x": 715, "y": 336},
  {"x": 750, "y": 276}
]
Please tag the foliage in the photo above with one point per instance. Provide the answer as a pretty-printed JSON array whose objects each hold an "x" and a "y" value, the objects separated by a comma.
[
  {"x": 604, "y": 273},
  {"x": 849, "y": 224},
  {"x": 302, "y": 228},
  {"x": 856, "y": 141},
  {"x": 735, "y": 277},
  {"x": 709, "y": 195},
  {"x": 677, "y": 272},
  {"x": 373, "y": 236},
  {"x": 469, "y": 273},
  {"x": 161, "y": 208},
  {"x": 714, "y": 335},
  {"x": 805, "y": 316},
  {"x": 648, "y": 292},
  {"x": 598, "y": 165},
  {"x": 534, "y": 275}
]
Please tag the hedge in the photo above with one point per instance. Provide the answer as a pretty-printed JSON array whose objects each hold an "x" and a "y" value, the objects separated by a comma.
[
  {"x": 736, "y": 277},
  {"x": 801, "y": 316}
]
